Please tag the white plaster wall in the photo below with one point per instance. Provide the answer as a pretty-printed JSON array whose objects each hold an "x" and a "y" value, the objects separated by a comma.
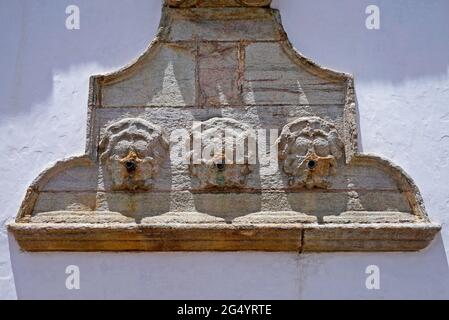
[{"x": 402, "y": 74}]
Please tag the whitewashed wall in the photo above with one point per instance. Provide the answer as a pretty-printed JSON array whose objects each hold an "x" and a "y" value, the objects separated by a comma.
[{"x": 402, "y": 74}]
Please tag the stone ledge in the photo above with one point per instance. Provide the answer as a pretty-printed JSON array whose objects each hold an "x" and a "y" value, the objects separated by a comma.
[
  {"x": 217, "y": 3},
  {"x": 220, "y": 238},
  {"x": 395, "y": 237}
]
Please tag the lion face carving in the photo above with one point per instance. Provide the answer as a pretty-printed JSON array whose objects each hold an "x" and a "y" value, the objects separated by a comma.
[
  {"x": 309, "y": 150},
  {"x": 227, "y": 164},
  {"x": 133, "y": 150}
]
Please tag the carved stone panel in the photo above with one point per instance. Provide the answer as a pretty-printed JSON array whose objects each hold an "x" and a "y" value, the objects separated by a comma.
[
  {"x": 218, "y": 165},
  {"x": 223, "y": 137},
  {"x": 310, "y": 149},
  {"x": 132, "y": 151}
]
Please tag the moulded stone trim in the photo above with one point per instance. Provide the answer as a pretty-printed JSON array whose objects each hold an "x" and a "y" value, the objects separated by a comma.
[
  {"x": 39, "y": 183},
  {"x": 217, "y": 3},
  {"x": 369, "y": 238},
  {"x": 405, "y": 182},
  {"x": 209, "y": 237}
]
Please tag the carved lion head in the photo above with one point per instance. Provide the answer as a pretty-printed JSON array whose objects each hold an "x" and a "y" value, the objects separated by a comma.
[
  {"x": 223, "y": 159},
  {"x": 309, "y": 150},
  {"x": 133, "y": 150}
]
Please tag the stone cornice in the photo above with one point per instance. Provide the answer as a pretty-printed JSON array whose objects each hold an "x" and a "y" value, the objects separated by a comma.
[{"x": 217, "y": 3}]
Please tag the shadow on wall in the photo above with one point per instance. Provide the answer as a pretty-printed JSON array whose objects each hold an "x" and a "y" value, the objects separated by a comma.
[
  {"x": 38, "y": 43},
  {"x": 410, "y": 43},
  {"x": 43, "y": 90},
  {"x": 423, "y": 275}
]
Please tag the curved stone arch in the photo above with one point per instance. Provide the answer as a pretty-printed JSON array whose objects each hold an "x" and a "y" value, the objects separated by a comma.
[
  {"x": 42, "y": 180},
  {"x": 405, "y": 183}
]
